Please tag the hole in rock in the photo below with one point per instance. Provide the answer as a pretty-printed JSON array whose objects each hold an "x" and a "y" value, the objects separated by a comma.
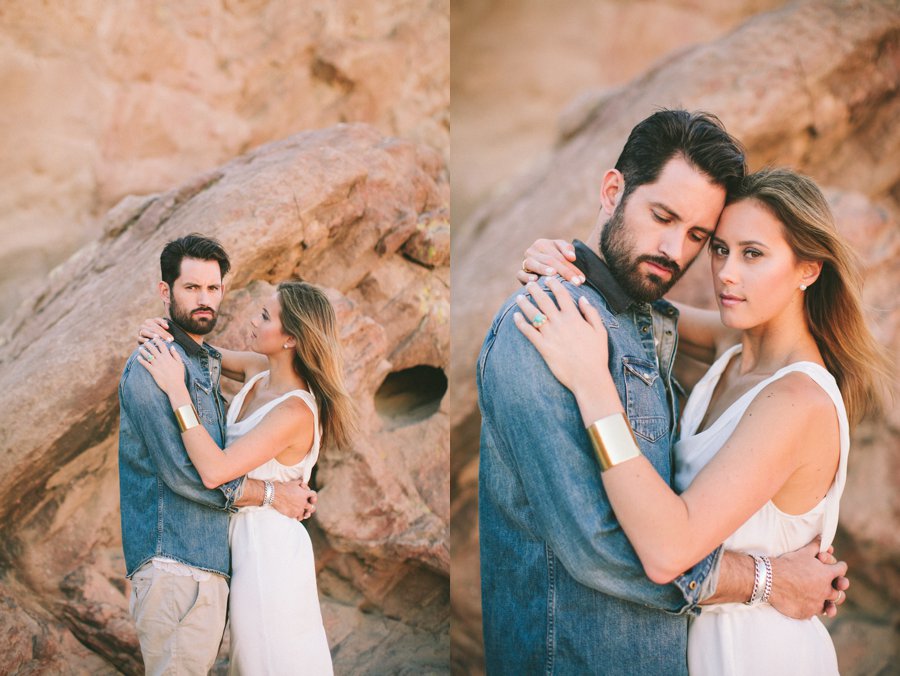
[{"x": 411, "y": 395}]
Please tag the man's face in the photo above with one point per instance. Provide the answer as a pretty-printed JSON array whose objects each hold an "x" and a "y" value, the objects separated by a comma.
[
  {"x": 653, "y": 236},
  {"x": 195, "y": 296}
]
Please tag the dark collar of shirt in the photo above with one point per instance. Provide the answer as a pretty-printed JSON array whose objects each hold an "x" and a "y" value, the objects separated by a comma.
[
  {"x": 601, "y": 277},
  {"x": 191, "y": 346}
]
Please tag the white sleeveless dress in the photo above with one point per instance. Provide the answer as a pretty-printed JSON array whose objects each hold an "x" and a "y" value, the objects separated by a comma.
[
  {"x": 733, "y": 638},
  {"x": 276, "y": 622}
]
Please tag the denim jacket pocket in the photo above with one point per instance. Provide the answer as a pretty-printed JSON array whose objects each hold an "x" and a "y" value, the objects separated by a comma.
[
  {"x": 642, "y": 399},
  {"x": 203, "y": 401}
]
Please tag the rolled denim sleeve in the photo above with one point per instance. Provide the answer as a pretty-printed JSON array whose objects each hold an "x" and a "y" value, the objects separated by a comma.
[
  {"x": 537, "y": 431},
  {"x": 149, "y": 411}
]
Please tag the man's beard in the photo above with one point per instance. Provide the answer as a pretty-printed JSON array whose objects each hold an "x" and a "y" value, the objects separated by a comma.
[
  {"x": 198, "y": 326},
  {"x": 617, "y": 249}
]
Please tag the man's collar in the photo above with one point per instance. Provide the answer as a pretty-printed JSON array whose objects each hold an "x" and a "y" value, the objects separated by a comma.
[
  {"x": 191, "y": 346},
  {"x": 600, "y": 277}
]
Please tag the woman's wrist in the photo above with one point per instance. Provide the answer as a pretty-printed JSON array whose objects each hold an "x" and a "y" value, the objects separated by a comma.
[
  {"x": 180, "y": 397},
  {"x": 598, "y": 399},
  {"x": 594, "y": 384}
]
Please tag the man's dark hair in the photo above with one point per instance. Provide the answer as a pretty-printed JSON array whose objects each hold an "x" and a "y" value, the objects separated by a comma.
[
  {"x": 191, "y": 246},
  {"x": 700, "y": 138}
]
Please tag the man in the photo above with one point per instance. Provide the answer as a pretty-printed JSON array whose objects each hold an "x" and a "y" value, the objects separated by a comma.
[
  {"x": 174, "y": 530},
  {"x": 562, "y": 589}
]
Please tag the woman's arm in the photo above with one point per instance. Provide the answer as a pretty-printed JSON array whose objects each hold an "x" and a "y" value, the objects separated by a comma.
[
  {"x": 671, "y": 532},
  {"x": 236, "y": 364},
  {"x": 701, "y": 333},
  {"x": 241, "y": 366},
  {"x": 290, "y": 423}
]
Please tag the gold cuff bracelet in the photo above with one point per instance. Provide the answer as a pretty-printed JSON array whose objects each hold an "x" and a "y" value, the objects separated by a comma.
[
  {"x": 613, "y": 440},
  {"x": 187, "y": 417}
]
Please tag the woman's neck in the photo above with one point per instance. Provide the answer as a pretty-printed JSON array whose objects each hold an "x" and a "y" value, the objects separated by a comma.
[
  {"x": 781, "y": 341},
  {"x": 282, "y": 376}
]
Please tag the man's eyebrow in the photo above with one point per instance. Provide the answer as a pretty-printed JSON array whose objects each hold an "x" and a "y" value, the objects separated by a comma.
[
  {"x": 668, "y": 210},
  {"x": 674, "y": 214}
]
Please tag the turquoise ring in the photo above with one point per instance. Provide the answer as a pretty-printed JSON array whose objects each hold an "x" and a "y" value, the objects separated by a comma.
[{"x": 539, "y": 320}]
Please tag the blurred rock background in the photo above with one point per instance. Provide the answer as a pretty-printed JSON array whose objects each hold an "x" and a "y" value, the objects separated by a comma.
[
  {"x": 544, "y": 95},
  {"x": 312, "y": 139}
]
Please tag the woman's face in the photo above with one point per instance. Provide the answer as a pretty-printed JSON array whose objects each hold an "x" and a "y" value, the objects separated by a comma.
[
  {"x": 756, "y": 275},
  {"x": 266, "y": 333}
]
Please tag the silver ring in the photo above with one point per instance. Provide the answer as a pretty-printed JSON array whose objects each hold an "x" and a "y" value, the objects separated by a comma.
[{"x": 539, "y": 320}]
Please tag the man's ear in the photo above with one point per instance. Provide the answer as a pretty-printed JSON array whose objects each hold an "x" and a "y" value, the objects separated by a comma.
[
  {"x": 612, "y": 188},
  {"x": 164, "y": 291}
]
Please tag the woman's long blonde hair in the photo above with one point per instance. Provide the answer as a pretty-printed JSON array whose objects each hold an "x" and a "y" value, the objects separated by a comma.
[
  {"x": 308, "y": 316},
  {"x": 833, "y": 303}
]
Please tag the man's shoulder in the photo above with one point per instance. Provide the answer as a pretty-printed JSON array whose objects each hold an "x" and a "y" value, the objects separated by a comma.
[
  {"x": 664, "y": 307},
  {"x": 575, "y": 291}
]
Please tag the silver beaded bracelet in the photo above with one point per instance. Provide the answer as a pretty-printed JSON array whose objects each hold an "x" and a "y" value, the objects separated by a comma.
[
  {"x": 762, "y": 578},
  {"x": 269, "y": 495},
  {"x": 768, "y": 585}
]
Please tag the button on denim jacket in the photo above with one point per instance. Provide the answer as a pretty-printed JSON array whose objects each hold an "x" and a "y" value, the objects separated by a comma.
[
  {"x": 166, "y": 509},
  {"x": 563, "y": 591}
]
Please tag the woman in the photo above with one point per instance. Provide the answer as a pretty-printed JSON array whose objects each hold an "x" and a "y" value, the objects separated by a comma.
[
  {"x": 292, "y": 403},
  {"x": 764, "y": 436}
]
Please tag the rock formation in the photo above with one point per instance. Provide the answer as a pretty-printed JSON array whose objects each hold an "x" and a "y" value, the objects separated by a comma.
[
  {"x": 813, "y": 86},
  {"x": 516, "y": 64},
  {"x": 103, "y": 100},
  {"x": 364, "y": 216}
]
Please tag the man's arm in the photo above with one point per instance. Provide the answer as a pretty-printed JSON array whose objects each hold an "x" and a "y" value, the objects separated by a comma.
[
  {"x": 538, "y": 430},
  {"x": 804, "y": 582},
  {"x": 294, "y": 499},
  {"x": 148, "y": 410}
]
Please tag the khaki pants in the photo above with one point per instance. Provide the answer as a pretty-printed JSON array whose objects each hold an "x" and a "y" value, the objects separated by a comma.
[{"x": 179, "y": 621}]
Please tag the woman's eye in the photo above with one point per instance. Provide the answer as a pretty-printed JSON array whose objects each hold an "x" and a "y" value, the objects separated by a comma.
[
  {"x": 719, "y": 250},
  {"x": 752, "y": 253}
]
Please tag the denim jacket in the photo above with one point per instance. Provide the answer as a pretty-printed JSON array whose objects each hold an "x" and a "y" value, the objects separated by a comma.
[
  {"x": 563, "y": 591},
  {"x": 166, "y": 509}
]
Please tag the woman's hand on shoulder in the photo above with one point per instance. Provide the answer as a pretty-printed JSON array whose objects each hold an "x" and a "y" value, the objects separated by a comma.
[
  {"x": 550, "y": 257},
  {"x": 155, "y": 327},
  {"x": 164, "y": 364},
  {"x": 571, "y": 338}
]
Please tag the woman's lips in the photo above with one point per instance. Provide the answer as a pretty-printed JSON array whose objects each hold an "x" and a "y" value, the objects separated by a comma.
[{"x": 728, "y": 300}]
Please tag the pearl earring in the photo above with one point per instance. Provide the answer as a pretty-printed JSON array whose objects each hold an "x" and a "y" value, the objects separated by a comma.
[
  {"x": 803, "y": 287},
  {"x": 286, "y": 346}
]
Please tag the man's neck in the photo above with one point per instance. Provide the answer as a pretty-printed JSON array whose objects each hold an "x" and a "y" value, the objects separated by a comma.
[
  {"x": 193, "y": 336},
  {"x": 593, "y": 241}
]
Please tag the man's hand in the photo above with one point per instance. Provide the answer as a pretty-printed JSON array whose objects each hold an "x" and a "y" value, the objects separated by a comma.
[
  {"x": 802, "y": 584},
  {"x": 841, "y": 583},
  {"x": 295, "y": 499}
]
